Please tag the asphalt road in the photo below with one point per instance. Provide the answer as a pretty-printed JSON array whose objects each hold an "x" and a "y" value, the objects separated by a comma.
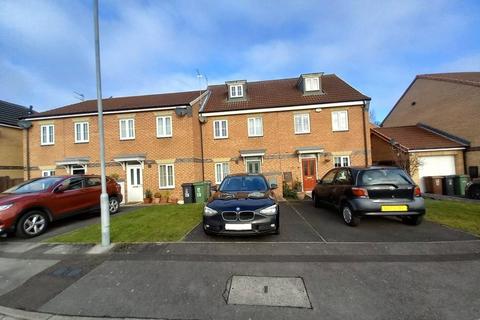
[{"x": 300, "y": 221}]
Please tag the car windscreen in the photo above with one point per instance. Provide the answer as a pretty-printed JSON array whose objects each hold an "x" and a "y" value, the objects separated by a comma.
[
  {"x": 383, "y": 176},
  {"x": 37, "y": 185},
  {"x": 244, "y": 183}
]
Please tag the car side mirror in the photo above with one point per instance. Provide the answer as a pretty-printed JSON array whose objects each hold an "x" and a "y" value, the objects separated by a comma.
[
  {"x": 62, "y": 187},
  {"x": 214, "y": 188},
  {"x": 273, "y": 186}
]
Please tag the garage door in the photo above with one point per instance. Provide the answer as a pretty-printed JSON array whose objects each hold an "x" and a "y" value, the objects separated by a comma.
[{"x": 435, "y": 166}]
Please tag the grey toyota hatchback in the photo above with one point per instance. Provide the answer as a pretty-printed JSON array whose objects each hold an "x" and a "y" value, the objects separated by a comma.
[{"x": 375, "y": 191}]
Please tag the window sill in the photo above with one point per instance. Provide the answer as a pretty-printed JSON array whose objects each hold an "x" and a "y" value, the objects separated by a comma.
[
  {"x": 302, "y": 132},
  {"x": 167, "y": 188},
  {"x": 259, "y": 136},
  {"x": 220, "y": 138},
  {"x": 81, "y": 142},
  {"x": 126, "y": 139},
  {"x": 163, "y": 137},
  {"x": 47, "y": 144},
  {"x": 343, "y": 130}
]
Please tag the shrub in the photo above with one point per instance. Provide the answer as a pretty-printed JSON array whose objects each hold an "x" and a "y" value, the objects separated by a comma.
[
  {"x": 288, "y": 192},
  {"x": 148, "y": 194}
]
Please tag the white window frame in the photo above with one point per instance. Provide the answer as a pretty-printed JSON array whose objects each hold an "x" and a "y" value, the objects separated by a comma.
[
  {"x": 167, "y": 186},
  {"x": 312, "y": 84},
  {"x": 43, "y": 138},
  {"x": 336, "y": 125},
  {"x": 164, "y": 134},
  {"x": 222, "y": 169},
  {"x": 234, "y": 90},
  {"x": 85, "y": 135},
  {"x": 78, "y": 167},
  {"x": 342, "y": 161},
  {"x": 215, "y": 136},
  {"x": 126, "y": 121},
  {"x": 303, "y": 130},
  {"x": 48, "y": 173},
  {"x": 255, "y": 131},
  {"x": 253, "y": 159}
]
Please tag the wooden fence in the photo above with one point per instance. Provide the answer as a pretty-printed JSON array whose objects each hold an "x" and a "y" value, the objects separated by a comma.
[{"x": 6, "y": 182}]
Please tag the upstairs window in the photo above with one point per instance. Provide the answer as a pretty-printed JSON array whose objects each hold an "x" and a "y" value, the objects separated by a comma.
[
  {"x": 220, "y": 129},
  {"x": 312, "y": 84},
  {"x": 164, "y": 127},
  {"x": 236, "y": 91},
  {"x": 340, "y": 120},
  {"x": 81, "y": 132},
  {"x": 255, "y": 127},
  {"x": 47, "y": 135},
  {"x": 302, "y": 123},
  {"x": 127, "y": 129}
]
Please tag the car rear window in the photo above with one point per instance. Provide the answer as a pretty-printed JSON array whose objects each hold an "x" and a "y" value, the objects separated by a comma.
[
  {"x": 383, "y": 176},
  {"x": 244, "y": 183}
]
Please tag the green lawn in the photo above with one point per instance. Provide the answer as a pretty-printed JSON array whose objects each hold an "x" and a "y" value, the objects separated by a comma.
[
  {"x": 456, "y": 214},
  {"x": 150, "y": 224}
]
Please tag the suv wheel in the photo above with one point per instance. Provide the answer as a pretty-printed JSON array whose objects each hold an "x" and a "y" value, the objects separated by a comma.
[
  {"x": 113, "y": 205},
  {"x": 348, "y": 216},
  {"x": 413, "y": 220},
  {"x": 32, "y": 224}
]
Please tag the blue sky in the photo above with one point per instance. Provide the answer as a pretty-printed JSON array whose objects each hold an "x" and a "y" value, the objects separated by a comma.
[{"x": 47, "y": 49}]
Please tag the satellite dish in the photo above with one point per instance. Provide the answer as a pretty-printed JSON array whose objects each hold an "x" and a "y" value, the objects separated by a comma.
[
  {"x": 202, "y": 119},
  {"x": 24, "y": 124},
  {"x": 181, "y": 111}
]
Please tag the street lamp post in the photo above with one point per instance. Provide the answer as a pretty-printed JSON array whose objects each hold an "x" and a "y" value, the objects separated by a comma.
[{"x": 105, "y": 215}]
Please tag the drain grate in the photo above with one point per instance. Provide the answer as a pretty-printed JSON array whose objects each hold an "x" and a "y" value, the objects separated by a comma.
[
  {"x": 66, "y": 272},
  {"x": 268, "y": 291}
]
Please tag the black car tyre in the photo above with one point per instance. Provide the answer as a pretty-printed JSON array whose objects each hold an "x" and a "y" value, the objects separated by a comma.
[
  {"x": 412, "y": 220},
  {"x": 277, "y": 229},
  {"x": 113, "y": 205},
  {"x": 473, "y": 191},
  {"x": 348, "y": 215},
  {"x": 32, "y": 224},
  {"x": 316, "y": 201}
]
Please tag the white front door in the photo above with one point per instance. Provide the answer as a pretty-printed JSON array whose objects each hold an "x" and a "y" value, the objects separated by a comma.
[
  {"x": 435, "y": 166},
  {"x": 134, "y": 183}
]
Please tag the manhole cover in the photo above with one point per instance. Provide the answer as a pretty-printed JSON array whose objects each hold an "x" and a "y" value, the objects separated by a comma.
[{"x": 268, "y": 291}]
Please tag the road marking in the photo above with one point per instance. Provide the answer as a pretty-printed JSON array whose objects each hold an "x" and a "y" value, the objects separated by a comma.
[{"x": 308, "y": 223}]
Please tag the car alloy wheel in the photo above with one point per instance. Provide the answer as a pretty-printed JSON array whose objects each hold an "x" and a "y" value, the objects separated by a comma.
[
  {"x": 347, "y": 214},
  {"x": 34, "y": 224},
  {"x": 113, "y": 205}
]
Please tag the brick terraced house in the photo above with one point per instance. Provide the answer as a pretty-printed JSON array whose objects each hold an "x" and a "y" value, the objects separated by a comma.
[{"x": 290, "y": 130}]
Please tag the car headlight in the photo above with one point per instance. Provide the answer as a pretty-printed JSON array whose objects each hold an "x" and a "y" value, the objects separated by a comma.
[
  {"x": 269, "y": 211},
  {"x": 209, "y": 211},
  {"x": 5, "y": 206}
]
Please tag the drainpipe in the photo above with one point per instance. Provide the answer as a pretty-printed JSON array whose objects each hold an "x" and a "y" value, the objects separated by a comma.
[
  {"x": 201, "y": 151},
  {"x": 364, "y": 109}
]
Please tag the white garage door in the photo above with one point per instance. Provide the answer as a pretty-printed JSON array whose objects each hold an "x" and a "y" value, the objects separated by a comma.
[{"x": 435, "y": 166}]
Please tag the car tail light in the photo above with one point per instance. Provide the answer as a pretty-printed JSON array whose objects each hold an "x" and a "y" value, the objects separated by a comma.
[
  {"x": 418, "y": 192},
  {"x": 360, "y": 192}
]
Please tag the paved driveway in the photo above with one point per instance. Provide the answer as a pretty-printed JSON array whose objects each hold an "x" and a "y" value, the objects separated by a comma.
[{"x": 301, "y": 222}]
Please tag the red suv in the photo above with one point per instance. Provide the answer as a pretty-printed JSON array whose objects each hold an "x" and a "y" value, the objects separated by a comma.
[{"x": 29, "y": 207}]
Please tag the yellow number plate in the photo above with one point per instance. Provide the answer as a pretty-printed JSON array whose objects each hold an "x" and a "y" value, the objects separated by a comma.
[{"x": 394, "y": 208}]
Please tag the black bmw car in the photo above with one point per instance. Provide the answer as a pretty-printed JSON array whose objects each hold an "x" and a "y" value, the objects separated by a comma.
[{"x": 244, "y": 204}]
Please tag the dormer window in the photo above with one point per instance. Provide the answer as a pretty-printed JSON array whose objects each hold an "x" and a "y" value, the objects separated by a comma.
[
  {"x": 236, "y": 91},
  {"x": 312, "y": 84}
]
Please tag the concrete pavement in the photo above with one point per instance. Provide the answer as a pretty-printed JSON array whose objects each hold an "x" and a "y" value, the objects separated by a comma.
[{"x": 348, "y": 273}]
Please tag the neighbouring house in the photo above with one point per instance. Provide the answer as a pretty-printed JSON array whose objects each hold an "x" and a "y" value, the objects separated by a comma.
[
  {"x": 421, "y": 150},
  {"x": 448, "y": 102},
  {"x": 11, "y": 139},
  {"x": 290, "y": 130}
]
